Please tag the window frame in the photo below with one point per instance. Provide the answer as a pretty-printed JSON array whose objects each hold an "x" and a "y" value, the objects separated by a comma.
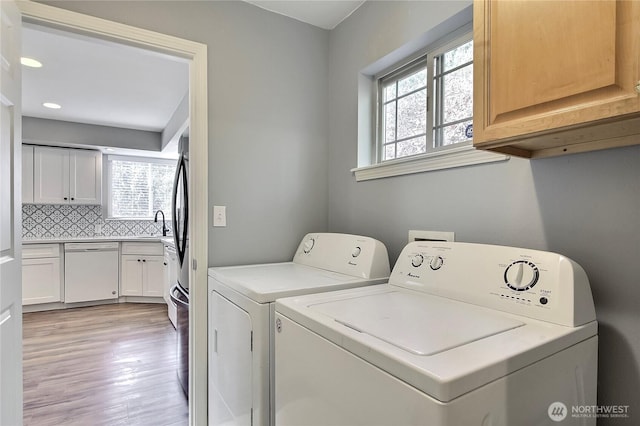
[
  {"x": 426, "y": 59},
  {"x": 438, "y": 158},
  {"x": 108, "y": 214}
]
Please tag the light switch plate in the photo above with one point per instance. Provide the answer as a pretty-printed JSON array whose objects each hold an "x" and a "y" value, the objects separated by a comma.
[{"x": 219, "y": 215}]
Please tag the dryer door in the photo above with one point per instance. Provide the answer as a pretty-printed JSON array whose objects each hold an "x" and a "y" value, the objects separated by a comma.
[{"x": 230, "y": 363}]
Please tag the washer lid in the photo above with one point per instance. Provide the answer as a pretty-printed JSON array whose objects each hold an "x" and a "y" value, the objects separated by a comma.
[
  {"x": 419, "y": 325},
  {"x": 266, "y": 282}
]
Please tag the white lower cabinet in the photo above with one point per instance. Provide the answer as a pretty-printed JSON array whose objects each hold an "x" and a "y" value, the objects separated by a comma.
[
  {"x": 41, "y": 275},
  {"x": 142, "y": 266}
]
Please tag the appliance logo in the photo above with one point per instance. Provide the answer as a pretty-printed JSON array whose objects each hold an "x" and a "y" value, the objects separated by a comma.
[
  {"x": 352, "y": 263},
  {"x": 413, "y": 275}
]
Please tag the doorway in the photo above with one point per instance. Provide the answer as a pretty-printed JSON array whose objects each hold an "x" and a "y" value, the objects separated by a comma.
[{"x": 196, "y": 55}]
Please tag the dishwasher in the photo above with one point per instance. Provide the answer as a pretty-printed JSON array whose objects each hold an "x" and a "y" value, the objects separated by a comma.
[{"x": 90, "y": 271}]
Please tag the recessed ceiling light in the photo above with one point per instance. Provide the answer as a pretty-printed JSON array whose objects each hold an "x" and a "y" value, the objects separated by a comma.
[
  {"x": 51, "y": 105},
  {"x": 30, "y": 62}
]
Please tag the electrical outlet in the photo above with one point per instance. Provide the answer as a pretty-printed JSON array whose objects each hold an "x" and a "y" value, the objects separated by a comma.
[
  {"x": 97, "y": 228},
  {"x": 219, "y": 216}
]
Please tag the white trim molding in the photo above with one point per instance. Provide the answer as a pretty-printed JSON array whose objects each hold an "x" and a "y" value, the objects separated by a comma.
[
  {"x": 196, "y": 55},
  {"x": 438, "y": 160}
]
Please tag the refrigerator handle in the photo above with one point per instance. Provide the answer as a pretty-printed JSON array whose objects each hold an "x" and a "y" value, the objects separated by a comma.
[{"x": 180, "y": 245}]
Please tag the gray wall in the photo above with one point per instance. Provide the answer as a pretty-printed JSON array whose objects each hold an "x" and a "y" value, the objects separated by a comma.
[
  {"x": 268, "y": 118},
  {"x": 584, "y": 206},
  {"x": 45, "y": 131}
]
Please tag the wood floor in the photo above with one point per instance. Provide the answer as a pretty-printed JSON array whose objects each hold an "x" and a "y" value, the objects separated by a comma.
[{"x": 102, "y": 365}]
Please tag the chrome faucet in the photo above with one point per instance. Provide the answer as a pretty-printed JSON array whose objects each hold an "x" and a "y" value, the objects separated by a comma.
[{"x": 164, "y": 227}]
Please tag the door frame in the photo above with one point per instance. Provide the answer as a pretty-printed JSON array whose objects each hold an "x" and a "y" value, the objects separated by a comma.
[{"x": 196, "y": 55}]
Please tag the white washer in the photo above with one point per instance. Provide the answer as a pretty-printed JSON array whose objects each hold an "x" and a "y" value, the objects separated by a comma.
[
  {"x": 463, "y": 334},
  {"x": 241, "y": 312}
]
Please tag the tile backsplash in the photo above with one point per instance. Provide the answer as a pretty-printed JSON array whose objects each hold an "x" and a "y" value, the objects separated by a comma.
[{"x": 43, "y": 221}]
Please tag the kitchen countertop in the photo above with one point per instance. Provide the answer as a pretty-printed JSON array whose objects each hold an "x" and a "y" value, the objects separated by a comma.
[{"x": 139, "y": 239}]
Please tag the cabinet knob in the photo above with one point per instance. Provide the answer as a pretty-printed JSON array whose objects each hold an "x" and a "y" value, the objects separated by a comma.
[
  {"x": 144, "y": 260},
  {"x": 138, "y": 260},
  {"x": 638, "y": 87},
  {"x": 113, "y": 292},
  {"x": 72, "y": 198},
  {"x": 65, "y": 198}
]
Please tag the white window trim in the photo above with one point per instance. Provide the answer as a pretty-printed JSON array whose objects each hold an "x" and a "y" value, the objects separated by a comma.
[
  {"x": 106, "y": 201},
  {"x": 439, "y": 158},
  {"x": 458, "y": 155}
]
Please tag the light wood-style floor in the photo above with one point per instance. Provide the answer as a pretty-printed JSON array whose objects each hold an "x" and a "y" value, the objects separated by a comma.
[{"x": 102, "y": 365}]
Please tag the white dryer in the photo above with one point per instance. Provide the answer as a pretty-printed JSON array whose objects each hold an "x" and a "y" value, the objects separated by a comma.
[
  {"x": 463, "y": 334},
  {"x": 241, "y": 312}
]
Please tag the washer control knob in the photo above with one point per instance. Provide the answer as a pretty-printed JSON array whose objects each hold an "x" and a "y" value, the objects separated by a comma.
[
  {"x": 356, "y": 252},
  {"x": 521, "y": 275},
  {"x": 308, "y": 245},
  {"x": 436, "y": 262},
  {"x": 417, "y": 260}
]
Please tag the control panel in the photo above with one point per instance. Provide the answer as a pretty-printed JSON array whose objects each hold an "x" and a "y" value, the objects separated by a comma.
[
  {"x": 354, "y": 255},
  {"x": 537, "y": 284}
]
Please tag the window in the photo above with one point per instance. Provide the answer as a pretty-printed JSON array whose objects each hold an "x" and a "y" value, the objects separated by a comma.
[
  {"x": 427, "y": 104},
  {"x": 138, "y": 187},
  {"x": 417, "y": 115}
]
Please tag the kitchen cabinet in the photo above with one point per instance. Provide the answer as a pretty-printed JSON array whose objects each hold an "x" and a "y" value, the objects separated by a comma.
[
  {"x": 41, "y": 274},
  {"x": 143, "y": 270},
  {"x": 27, "y": 174},
  {"x": 67, "y": 176},
  {"x": 552, "y": 78}
]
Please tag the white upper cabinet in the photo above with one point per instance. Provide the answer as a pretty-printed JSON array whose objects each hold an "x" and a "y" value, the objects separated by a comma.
[
  {"x": 67, "y": 176},
  {"x": 27, "y": 173}
]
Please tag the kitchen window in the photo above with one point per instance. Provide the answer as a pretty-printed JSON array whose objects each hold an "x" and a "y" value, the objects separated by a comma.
[
  {"x": 424, "y": 113},
  {"x": 138, "y": 187}
]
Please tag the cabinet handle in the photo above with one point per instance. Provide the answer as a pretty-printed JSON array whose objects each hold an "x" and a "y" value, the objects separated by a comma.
[
  {"x": 144, "y": 260},
  {"x": 164, "y": 263},
  {"x": 638, "y": 87},
  {"x": 65, "y": 198},
  {"x": 138, "y": 260}
]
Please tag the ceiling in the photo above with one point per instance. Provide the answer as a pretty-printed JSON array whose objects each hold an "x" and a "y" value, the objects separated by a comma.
[
  {"x": 105, "y": 83},
  {"x": 100, "y": 82},
  {"x": 325, "y": 14}
]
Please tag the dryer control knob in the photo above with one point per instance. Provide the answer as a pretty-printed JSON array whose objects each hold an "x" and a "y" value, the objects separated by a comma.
[
  {"x": 417, "y": 260},
  {"x": 521, "y": 275},
  {"x": 436, "y": 262},
  {"x": 356, "y": 252},
  {"x": 308, "y": 245}
]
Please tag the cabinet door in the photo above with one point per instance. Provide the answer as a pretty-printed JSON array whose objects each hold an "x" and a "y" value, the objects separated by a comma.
[
  {"x": 27, "y": 174},
  {"x": 131, "y": 279},
  {"x": 85, "y": 177},
  {"x": 153, "y": 276},
  {"x": 540, "y": 66},
  {"x": 51, "y": 175},
  {"x": 40, "y": 280}
]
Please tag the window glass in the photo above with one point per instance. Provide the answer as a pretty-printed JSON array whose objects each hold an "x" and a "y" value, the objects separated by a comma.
[
  {"x": 138, "y": 188},
  {"x": 428, "y": 103}
]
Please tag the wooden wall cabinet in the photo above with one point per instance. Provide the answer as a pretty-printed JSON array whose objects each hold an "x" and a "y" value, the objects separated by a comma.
[
  {"x": 556, "y": 77},
  {"x": 67, "y": 176}
]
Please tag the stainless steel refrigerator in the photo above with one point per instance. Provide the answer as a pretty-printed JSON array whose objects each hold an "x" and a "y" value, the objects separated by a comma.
[{"x": 180, "y": 290}]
